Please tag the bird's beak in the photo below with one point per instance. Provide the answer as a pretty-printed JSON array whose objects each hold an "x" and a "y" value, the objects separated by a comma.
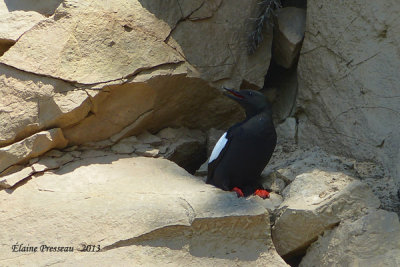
[{"x": 233, "y": 94}]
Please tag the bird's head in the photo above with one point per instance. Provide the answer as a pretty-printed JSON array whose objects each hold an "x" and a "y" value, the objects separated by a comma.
[{"x": 252, "y": 101}]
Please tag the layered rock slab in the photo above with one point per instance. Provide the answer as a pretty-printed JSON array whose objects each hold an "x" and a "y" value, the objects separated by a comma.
[
  {"x": 288, "y": 35},
  {"x": 351, "y": 97},
  {"x": 148, "y": 206},
  {"x": 133, "y": 71},
  {"x": 31, "y": 147},
  {"x": 314, "y": 202},
  {"x": 372, "y": 240}
]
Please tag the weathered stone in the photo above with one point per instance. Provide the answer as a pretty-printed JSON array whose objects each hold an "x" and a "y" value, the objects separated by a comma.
[
  {"x": 226, "y": 61},
  {"x": 54, "y": 153},
  {"x": 146, "y": 150},
  {"x": 155, "y": 102},
  {"x": 49, "y": 163},
  {"x": 287, "y": 129},
  {"x": 156, "y": 213},
  {"x": 187, "y": 148},
  {"x": 148, "y": 138},
  {"x": 372, "y": 240},
  {"x": 12, "y": 179},
  {"x": 31, "y": 147},
  {"x": 14, "y": 24},
  {"x": 351, "y": 98},
  {"x": 163, "y": 85},
  {"x": 288, "y": 35},
  {"x": 315, "y": 202},
  {"x": 125, "y": 146},
  {"x": 45, "y": 7},
  {"x": 275, "y": 184},
  {"x": 271, "y": 204},
  {"x": 202, "y": 170},
  {"x": 31, "y": 103},
  {"x": 83, "y": 39}
]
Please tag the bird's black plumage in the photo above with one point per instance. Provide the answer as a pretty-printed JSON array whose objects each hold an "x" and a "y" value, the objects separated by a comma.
[{"x": 246, "y": 148}]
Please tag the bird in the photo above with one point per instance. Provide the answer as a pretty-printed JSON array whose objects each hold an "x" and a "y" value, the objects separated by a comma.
[{"x": 243, "y": 151}]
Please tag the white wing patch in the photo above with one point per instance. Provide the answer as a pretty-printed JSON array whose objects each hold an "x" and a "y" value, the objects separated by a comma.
[{"x": 218, "y": 147}]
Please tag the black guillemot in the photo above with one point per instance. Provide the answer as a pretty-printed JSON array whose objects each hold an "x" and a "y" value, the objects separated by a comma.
[{"x": 242, "y": 152}]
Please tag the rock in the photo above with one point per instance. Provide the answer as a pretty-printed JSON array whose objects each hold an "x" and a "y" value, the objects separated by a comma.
[
  {"x": 156, "y": 213},
  {"x": 203, "y": 170},
  {"x": 128, "y": 39},
  {"x": 31, "y": 147},
  {"x": 48, "y": 163},
  {"x": 185, "y": 147},
  {"x": 274, "y": 183},
  {"x": 45, "y": 7},
  {"x": 372, "y": 240},
  {"x": 148, "y": 138},
  {"x": 271, "y": 204},
  {"x": 54, "y": 153},
  {"x": 364, "y": 116},
  {"x": 125, "y": 146},
  {"x": 119, "y": 77},
  {"x": 14, "y": 24},
  {"x": 14, "y": 178},
  {"x": 31, "y": 103},
  {"x": 288, "y": 35},
  {"x": 315, "y": 202},
  {"x": 287, "y": 129},
  {"x": 146, "y": 150}
]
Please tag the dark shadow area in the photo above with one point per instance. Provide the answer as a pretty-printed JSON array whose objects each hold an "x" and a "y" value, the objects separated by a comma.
[
  {"x": 294, "y": 3},
  {"x": 5, "y": 45},
  {"x": 198, "y": 155},
  {"x": 45, "y": 7},
  {"x": 284, "y": 82}
]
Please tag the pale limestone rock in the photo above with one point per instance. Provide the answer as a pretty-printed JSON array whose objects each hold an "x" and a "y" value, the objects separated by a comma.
[
  {"x": 157, "y": 101},
  {"x": 372, "y": 240},
  {"x": 49, "y": 163},
  {"x": 14, "y": 24},
  {"x": 225, "y": 60},
  {"x": 351, "y": 97},
  {"x": 31, "y": 103},
  {"x": 140, "y": 81},
  {"x": 45, "y": 7},
  {"x": 315, "y": 202},
  {"x": 89, "y": 50},
  {"x": 12, "y": 179},
  {"x": 288, "y": 35},
  {"x": 31, "y": 147},
  {"x": 141, "y": 211}
]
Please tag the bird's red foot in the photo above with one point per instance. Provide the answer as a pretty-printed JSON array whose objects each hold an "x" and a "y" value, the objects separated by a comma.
[
  {"x": 238, "y": 191},
  {"x": 262, "y": 193}
]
